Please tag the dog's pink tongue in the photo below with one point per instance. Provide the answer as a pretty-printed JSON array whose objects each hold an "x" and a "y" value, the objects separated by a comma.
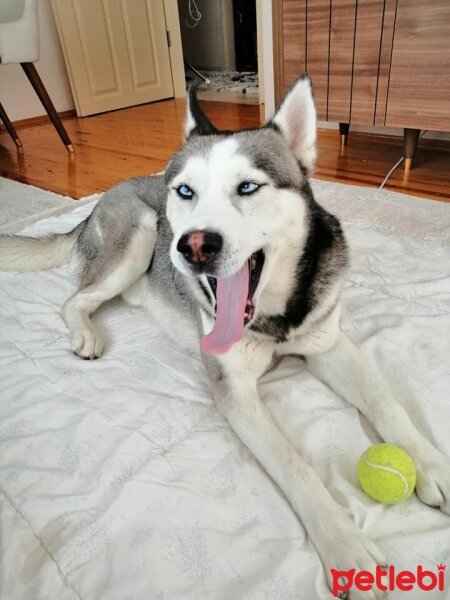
[{"x": 231, "y": 294}]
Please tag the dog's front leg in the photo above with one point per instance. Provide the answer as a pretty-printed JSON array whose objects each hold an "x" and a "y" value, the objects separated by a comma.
[
  {"x": 340, "y": 544},
  {"x": 345, "y": 370}
]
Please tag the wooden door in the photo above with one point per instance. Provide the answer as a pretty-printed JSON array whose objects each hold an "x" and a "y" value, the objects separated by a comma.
[
  {"x": 419, "y": 83},
  {"x": 116, "y": 52}
]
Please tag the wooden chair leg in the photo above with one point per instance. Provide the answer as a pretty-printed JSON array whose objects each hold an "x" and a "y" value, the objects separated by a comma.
[
  {"x": 9, "y": 127},
  {"x": 410, "y": 141},
  {"x": 39, "y": 88}
]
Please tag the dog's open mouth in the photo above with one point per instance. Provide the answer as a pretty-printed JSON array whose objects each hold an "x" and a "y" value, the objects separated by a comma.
[
  {"x": 256, "y": 264},
  {"x": 234, "y": 305}
]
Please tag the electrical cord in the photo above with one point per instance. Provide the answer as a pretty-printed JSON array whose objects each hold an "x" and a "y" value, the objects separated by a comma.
[
  {"x": 399, "y": 162},
  {"x": 194, "y": 14}
]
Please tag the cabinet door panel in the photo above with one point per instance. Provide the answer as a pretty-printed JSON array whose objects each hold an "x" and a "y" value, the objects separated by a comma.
[
  {"x": 342, "y": 36},
  {"x": 317, "y": 51},
  {"x": 387, "y": 33},
  {"x": 369, "y": 22},
  {"x": 294, "y": 40},
  {"x": 419, "y": 85}
]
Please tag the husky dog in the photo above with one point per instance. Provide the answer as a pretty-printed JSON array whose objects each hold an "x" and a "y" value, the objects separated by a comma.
[{"x": 259, "y": 266}]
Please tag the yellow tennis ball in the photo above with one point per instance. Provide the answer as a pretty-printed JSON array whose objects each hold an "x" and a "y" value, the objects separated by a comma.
[{"x": 387, "y": 474}]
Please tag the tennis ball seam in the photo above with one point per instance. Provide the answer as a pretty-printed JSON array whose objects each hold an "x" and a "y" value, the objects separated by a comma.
[{"x": 390, "y": 470}]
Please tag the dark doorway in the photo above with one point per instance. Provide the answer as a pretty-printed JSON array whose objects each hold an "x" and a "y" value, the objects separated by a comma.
[{"x": 245, "y": 40}]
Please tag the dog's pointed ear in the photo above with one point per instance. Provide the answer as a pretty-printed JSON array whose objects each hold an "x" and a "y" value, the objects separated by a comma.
[
  {"x": 296, "y": 121},
  {"x": 197, "y": 123}
]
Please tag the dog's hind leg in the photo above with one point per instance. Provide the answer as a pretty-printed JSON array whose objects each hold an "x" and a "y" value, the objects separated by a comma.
[{"x": 107, "y": 276}]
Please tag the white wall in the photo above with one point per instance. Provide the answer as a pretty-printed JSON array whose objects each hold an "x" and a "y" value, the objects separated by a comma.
[{"x": 16, "y": 94}]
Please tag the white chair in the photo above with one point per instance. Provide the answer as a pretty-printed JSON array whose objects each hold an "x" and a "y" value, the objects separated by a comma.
[{"x": 19, "y": 43}]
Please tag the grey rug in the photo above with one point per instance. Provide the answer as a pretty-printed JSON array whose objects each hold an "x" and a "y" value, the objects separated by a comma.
[
  {"x": 423, "y": 220},
  {"x": 21, "y": 205}
]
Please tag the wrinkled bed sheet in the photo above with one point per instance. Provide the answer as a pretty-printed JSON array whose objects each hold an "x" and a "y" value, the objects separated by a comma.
[{"x": 120, "y": 481}]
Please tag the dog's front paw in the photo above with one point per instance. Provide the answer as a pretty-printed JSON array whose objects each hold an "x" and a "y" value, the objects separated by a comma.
[
  {"x": 345, "y": 553},
  {"x": 87, "y": 344},
  {"x": 433, "y": 480}
]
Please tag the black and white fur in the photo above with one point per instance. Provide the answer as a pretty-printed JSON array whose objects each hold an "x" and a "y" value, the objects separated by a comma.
[{"x": 128, "y": 247}]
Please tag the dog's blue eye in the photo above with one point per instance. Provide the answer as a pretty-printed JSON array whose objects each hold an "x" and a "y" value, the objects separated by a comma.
[
  {"x": 185, "y": 192},
  {"x": 247, "y": 188}
]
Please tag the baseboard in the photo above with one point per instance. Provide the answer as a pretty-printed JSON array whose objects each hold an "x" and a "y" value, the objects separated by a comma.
[{"x": 42, "y": 119}]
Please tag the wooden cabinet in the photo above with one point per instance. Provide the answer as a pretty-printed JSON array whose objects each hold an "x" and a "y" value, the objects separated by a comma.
[
  {"x": 372, "y": 62},
  {"x": 419, "y": 83}
]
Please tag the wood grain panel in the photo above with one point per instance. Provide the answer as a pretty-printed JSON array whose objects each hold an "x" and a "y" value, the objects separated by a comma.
[
  {"x": 419, "y": 87},
  {"x": 390, "y": 10},
  {"x": 369, "y": 20},
  {"x": 317, "y": 51},
  {"x": 341, "y": 59},
  {"x": 294, "y": 36}
]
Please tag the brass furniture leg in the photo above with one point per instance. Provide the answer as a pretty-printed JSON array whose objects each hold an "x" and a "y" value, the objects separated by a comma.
[
  {"x": 410, "y": 140},
  {"x": 343, "y": 132}
]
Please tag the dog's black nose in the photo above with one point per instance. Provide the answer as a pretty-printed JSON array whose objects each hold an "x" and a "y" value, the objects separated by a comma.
[{"x": 200, "y": 247}]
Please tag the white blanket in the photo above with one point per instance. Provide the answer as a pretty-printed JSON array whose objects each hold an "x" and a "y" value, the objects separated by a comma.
[{"x": 120, "y": 481}]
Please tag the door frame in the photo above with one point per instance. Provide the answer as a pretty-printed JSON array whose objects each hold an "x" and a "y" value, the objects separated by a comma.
[
  {"x": 265, "y": 39},
  {"x": 278, "y": 62},
  {"x": 267, "y": 42},
  {"x": 175, "y": 47}
]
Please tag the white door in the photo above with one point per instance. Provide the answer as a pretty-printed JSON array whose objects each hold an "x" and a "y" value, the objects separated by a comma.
[{"x": 116, "y": 52}]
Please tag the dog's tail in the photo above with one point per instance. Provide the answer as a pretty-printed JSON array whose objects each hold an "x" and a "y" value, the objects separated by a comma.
[{"x": 21, "y": 253}]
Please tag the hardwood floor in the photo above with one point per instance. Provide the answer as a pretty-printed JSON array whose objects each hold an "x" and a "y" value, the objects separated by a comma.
[
  {"x": 135, "y": 141},
  {"x": 368, "y": 158}
]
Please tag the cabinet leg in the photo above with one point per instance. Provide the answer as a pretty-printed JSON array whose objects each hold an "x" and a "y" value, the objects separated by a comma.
[
  {"x": 9, "y": 127},
  {"x": 343, "y": 132},
  {"x": 410, "y": 141},
  {"x": 39, "y": 88}
]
